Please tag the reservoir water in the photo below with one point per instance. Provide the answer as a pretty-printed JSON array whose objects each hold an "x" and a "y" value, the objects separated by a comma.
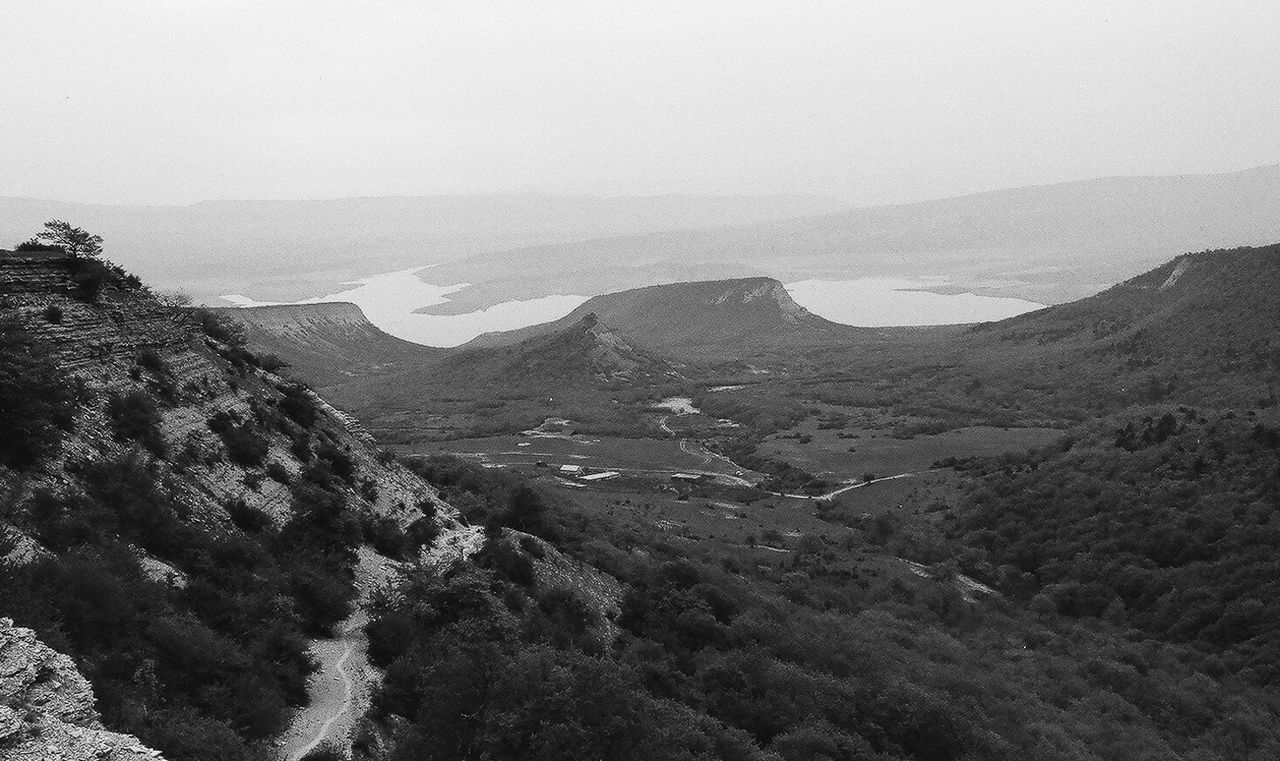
[{"x": 389, "y": 300}]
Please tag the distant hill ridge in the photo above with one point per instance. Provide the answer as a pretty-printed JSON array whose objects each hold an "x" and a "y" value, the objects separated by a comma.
[{"x": 1050, "y": 243}]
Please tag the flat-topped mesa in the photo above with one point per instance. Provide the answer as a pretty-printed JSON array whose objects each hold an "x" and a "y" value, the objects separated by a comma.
[
  {"x": 713, "y": 319},
  {"x": 324, "y": 343},
  {"x": 290, "y": 315},
  {"x": 47, "y": 707}
]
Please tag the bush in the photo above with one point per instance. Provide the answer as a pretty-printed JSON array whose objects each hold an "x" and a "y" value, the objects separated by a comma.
[
  {"x": 89, "y": 277},
  {"x": 386, "y": 536},
  {"x": 245, "y": 446},
  {"x": 34, "y": 246},
  {"x": 219, "y": 328},
  {"x": 500, "y": 556},
  {"x": 38, "y": 402},
  {"x": 278, "y": 472},
  {"x": 150, "y": 359},
  {"x": 247, "y": 518},
  {"x": 339, "y": 462},
  {"x": 298, "y": 403},
  {"x": 272, "y": 363},
  {"x": 422, "y": 532},
  {"x": 136, "y": 417}
]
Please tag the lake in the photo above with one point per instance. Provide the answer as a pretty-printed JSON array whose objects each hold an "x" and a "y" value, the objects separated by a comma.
[{"x": 389, "y": 300}]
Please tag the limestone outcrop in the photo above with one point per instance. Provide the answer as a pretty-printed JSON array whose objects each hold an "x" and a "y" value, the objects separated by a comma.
[{"x": 47, "y": 707}]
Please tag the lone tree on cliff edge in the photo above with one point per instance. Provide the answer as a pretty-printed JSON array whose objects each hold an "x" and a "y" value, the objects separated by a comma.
[{"x": 75, "y": 241}]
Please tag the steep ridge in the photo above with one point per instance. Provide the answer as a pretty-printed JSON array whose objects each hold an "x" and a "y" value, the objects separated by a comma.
[
  {"x": 325, "y": 343},
  {"x": 175, "y": 518},
  {"x": 710, "y": 320}
]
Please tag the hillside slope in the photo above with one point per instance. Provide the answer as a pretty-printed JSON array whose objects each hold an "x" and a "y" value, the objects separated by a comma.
[
  {"x": 709, "y": 320},
  {"x": 585, "y": 372},
  {"x": 325, "y": 343},
  {"x": 1202, "y": 329},
  {"x": 175, "y": 518}
]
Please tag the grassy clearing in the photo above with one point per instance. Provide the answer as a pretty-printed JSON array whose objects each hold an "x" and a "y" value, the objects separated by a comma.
[{"x": 827, "y": 452}]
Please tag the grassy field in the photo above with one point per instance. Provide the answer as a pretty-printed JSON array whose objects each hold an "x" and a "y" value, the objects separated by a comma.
[
  {"x": 853, "y": 452},
  {"x": 594, "y": 452}
]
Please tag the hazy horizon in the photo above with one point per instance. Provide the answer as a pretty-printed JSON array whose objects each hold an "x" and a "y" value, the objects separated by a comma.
[
  {"x": 154, "y": 103},
  {"x": 548, "y": 194}
]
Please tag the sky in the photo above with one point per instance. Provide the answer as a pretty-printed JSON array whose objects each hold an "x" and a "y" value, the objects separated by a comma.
[{"x": 156, "y": 101}]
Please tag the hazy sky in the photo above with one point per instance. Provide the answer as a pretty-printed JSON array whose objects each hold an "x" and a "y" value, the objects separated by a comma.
[{"x": 185, "y": 100}]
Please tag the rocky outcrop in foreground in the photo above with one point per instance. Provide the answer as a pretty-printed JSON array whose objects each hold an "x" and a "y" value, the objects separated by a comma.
[{"x": 46, "y": 707}]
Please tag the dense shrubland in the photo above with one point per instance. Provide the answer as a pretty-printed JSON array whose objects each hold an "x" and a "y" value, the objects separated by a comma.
[
  {"x": 799, "y": 659},
  {"x": 1163, "y": 520},
  {"x": 203, "y": 670}
]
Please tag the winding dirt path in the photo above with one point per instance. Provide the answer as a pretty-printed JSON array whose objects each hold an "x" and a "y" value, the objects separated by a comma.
[
  {"x": 334, "y": 702},
  {"x": 342, "y": 686}
]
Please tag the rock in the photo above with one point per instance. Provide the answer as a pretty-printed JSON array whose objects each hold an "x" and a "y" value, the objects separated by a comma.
[{"x": 46, "y": 707}]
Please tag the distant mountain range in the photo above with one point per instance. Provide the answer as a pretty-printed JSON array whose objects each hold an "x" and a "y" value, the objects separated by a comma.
[
  {"x": 291, "y": 250},
  {"x": 1048, "y": 244}
]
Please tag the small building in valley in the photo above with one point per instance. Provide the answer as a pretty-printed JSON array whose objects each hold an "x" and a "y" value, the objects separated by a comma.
[{"x": 603, "y": 475}]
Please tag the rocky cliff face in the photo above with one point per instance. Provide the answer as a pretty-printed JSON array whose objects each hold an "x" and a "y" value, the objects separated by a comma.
[{"x": 47, "y": 707}]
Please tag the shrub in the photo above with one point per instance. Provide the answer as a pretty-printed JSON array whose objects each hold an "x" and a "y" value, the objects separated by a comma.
[
  {"x": 34, "y": 246},
  {"x": 150, "y": 359},
  {"x": 298, "y": 403},
  {"x": 246, "y": 517},
  {"x": 38, "y": 401},
  {"x": 245, "y": 445},
  {"x": 89, "y": 277},
  {"x": 135, "y": 417},
  {"x": 500, "y": 556},
  {"x": 219, "y": 328},
  {"x": 339, "y": 462},
  {"x": 272, "y": 363},
  {"x": 278, "y": 472},
  {"x": 386, "y": 536},
  {"x": 422, "y": 532}
]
